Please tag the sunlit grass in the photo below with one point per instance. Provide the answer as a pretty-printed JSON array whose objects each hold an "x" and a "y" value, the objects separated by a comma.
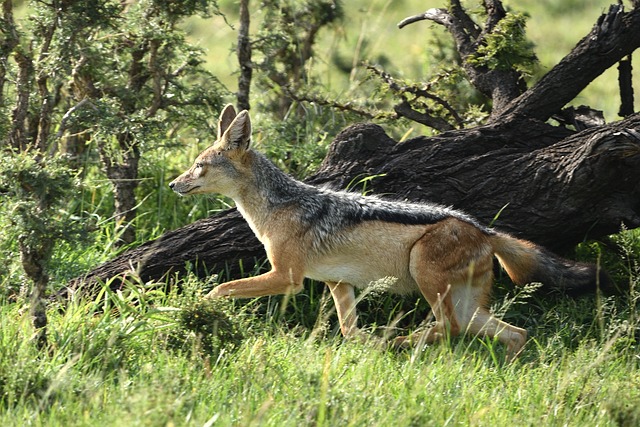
[{"x": 115, "y": 360}]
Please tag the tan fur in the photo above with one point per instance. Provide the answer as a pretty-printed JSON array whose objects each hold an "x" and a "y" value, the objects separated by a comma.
[{"x": 449, "y": 262}]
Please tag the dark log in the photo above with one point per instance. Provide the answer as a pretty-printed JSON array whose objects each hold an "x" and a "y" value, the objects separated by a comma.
[{"x": 545, "y": 183}]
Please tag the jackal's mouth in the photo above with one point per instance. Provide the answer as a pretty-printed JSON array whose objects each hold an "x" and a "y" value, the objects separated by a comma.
[{"x": 182, "y": 192}]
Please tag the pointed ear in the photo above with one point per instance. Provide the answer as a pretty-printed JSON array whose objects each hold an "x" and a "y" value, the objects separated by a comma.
[
  {"x": 238, "y": 134},
  {"x": 226, "y": 117}
]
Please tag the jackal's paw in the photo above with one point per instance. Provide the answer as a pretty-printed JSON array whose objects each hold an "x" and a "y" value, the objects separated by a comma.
[
  {"x": 360, "y": 336},
  {"x": 407, "y": 341},
  {"x": 217, "y": 292},
  {"x": 515, "y": 346}
]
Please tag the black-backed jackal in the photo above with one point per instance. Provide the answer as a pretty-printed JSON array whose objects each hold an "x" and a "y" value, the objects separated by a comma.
[{"x": 348, "y": 240}]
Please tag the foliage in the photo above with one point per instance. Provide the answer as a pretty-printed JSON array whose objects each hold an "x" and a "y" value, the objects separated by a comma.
[
  {"x": 114, "y": 362},
  {"x": 36, "y": 195},
  {"x": 507, "y": 47},
  {"x": 37, "y": 191},
  {"x": 118, "y": 78}
]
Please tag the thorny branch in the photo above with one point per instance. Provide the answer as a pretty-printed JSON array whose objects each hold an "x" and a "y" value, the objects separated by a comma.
[
  {"x": 404, "y": 109},
  {"x": 349, "y": 107}
]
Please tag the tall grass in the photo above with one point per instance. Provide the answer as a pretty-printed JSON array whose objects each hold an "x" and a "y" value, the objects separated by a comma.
[{"x": 145, "y": 357}]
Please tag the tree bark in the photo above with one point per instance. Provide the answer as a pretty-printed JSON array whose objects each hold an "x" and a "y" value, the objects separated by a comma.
[{"x": 244, "y": 57}]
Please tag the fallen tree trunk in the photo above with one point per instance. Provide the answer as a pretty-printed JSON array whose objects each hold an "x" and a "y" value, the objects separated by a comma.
[
  {"x": 543, "y": 183},
  {"x": 549, "y": 184}
]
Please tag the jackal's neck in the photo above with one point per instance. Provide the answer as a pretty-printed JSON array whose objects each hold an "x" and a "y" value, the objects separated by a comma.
[{"x": 265, "y": 192}]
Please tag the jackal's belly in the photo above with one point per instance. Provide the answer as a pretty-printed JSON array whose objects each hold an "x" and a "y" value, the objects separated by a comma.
[
  {"x": 370, "y": 254},
  {"x": 388, "y": 277}
]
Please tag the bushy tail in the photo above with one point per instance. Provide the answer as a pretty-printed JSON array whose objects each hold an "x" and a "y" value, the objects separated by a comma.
[{"x": 526, "y": 262}]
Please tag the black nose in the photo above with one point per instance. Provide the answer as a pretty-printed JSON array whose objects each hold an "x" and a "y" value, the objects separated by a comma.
[{"x": 171, "y": 185}]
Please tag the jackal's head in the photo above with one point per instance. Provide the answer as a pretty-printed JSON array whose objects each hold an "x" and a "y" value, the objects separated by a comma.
[{"x": 218, "y": 168}]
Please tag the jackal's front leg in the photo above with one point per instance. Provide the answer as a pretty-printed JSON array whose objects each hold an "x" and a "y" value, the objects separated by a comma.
[
  {"x": 345, "y": 302},
  {"x": 271, "y": 283}
]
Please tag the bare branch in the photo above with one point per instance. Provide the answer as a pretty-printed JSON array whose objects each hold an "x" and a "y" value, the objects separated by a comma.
[
  {"x": 625, "y": 83},
  {"x": 348, "y": 107},
  {"x": 453, "y": 24},
  {"x": 404, "y": 109},
  {"x": 502, "y": 86},
  {"x": 461, "y": 15},
  {"x": 495, "y": 12},
  {"x": 63, "y": 123}
]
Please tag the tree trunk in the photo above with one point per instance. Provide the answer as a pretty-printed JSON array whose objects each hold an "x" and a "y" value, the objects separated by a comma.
[
  {"x": 549, "y": 184},
  {"x": 122, "y": 171},
  {"x": 244, "y": 57},
  {"x": 35, "y": 259}
]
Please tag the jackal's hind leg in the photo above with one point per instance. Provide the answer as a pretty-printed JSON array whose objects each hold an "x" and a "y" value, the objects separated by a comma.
[
  {"x": 484, "y": 323},
  {"x": 475, "y": 318},
  {"x": 427, "y": 265},
  {"x": 446, "y": 322}
]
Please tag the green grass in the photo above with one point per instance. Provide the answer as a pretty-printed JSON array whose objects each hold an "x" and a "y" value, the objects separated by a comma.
[{"x": 134, "y": 358}]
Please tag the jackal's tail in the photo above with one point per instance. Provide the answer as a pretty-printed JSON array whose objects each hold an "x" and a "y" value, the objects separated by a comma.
[{"x": 526, "y": 262}]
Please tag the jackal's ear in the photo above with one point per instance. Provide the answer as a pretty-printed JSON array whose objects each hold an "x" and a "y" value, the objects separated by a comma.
[
  {"x": 238, "y": 134},
  {"x": 226, "y": 117}
]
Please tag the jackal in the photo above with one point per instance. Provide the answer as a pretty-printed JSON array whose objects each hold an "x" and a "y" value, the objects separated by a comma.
[{"x": 349, "y": 240}]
